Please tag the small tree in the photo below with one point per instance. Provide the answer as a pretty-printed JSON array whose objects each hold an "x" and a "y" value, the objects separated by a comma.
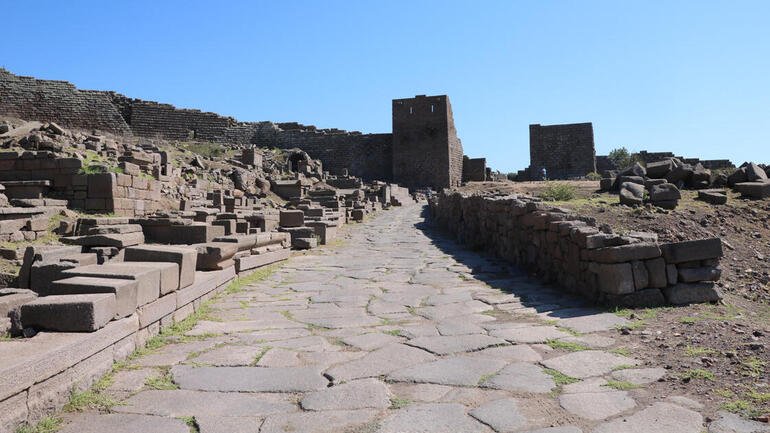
[{"x": 622, "y": 158}]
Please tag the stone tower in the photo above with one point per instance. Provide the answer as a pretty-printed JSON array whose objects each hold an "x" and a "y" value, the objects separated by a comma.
[{"x": 426, "y": 150}]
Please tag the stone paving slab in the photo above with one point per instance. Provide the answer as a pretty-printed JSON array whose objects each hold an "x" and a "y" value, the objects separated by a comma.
[
  {"x": 432, "y": 418},
  {"x": 248, "y": 379},
  {"x": 181, "y": 403},
  {"x": 123, "y": 423},
  {"x": 398, "y": 330}
]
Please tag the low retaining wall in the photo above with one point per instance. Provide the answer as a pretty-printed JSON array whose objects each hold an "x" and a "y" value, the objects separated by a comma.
[
  {"x": 631, "y": 270},
  {"x": 37, "y": 375}
]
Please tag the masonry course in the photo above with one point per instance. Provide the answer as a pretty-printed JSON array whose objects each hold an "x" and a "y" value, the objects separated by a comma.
[{"x": 432, "y": 158}]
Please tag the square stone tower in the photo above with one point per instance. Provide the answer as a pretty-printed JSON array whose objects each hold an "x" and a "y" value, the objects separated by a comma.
[
  {"x": 426, "y": 150},
  {"x": 565, "y": 151}
]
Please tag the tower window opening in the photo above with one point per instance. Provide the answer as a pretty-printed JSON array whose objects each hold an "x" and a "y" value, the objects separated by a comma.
[
  {"x": 432, "y": 108},
  {"x": 411, "y": 110}
]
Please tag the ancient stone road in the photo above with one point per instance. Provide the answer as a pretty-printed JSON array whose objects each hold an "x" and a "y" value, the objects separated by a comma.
[{"x": 396, "y": 330}]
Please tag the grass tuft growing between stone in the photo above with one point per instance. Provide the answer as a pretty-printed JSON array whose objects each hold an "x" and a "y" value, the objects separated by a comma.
[
  {"x": 621, "y": 385},
  {"x": 559, "y": 378},
  {"x": 558, "y": 191},
  {"x": 162, "y": 382},
  {"x": 399, "y": 402},
  {"x": 570, "y": 346},
  {"x": 46, "y": 425}
]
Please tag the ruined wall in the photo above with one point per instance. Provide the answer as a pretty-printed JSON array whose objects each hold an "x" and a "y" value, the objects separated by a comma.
[
  {"x": 60, "y": 178},
  {"x": 154, "y": 120},
  {"x": 60, "y": 102},
  {"x": 603, "y": 162},
  {"x": 565, "y": 151},
  {"x": 632, "y": 270},
  {"x": 426, "y": 150},
  {"x": 474, "y": 169},
  {"x": 364, "y": 155}
]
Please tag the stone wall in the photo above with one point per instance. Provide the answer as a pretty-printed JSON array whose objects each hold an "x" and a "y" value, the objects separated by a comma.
[
  {"x": 474, "y": 169},
  {"x": 428, "y": 151},
  {"x": 60, "y": 102},
  {"x": 603, "y": 162},
  {"x": 561, "y": 247},
  {"x": 60, "y": 178},
  {"x": 566, "y": 151},
  {"x": 38, "y": 375}
]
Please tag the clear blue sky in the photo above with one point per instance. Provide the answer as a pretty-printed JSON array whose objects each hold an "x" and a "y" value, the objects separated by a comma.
[{"x": 692, "y": 77}]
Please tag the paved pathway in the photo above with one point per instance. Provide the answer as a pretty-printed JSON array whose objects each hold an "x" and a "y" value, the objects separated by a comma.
[{"x": 394, "y": 331}]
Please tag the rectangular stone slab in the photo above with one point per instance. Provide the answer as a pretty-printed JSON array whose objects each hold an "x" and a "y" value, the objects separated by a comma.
[
  {"x": 255, "y": 261},
  {"x": 688, "y": 251},
  {"x": 106, "y": 240},
  {"x": 147, "y": 279},
  {"x": 124, "y": 290},
  {"x": 185, "y": 257},
  {"x": 69, "y": 313},
  {"x": 169, "y": 273}
]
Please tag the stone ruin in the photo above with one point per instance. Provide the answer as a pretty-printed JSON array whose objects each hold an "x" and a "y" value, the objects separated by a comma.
[
  {"x": 631, "y": 270},
  {"x": 659, "y": 183},
  {"x": 567, "y": 151},
  {"x": 422, "y": 151}
]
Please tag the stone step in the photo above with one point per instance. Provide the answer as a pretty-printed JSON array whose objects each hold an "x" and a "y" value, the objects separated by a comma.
[
  {"x": 69, "y": 313},
  {"x": 124, "y": 290},
  {"x": 147, "y": 279},
  {"x": 113, "y": 229},
  {"x": 259, "y": 260},
  {"x": 186, "y": 259},
  {"x": 105, "y": 240}
]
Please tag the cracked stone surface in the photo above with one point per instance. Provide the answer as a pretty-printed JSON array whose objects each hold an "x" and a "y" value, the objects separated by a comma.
[{"x": 396, "y": 329}]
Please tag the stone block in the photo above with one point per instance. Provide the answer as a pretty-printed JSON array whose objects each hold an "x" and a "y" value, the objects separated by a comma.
[
  {"x": 185, "y": 257},
  {"x": 706, "y": 273},
  {"x": 659, "y": 169},
  {"x": 616, "y": 279},
  {"x": 656, "y": 273},
  {"x": 703, "y": 249},
  {"x": 168, "y": 272},
  {"x": 625, "y": 253},
  {"x": 664, "y": 192},
  {"x": 35, "y": 253},
  {"x": 114, "y": 229},
  {"x": 147, "y": 279},
  {"x": 101, "y": 185},
  {"x": 125, "y": 291},
  {"x": 691, "y": 293},
  {"x": 42, "y": 274},
  {"x": 212, "y": 253},
  {"x": 69, "y": 313},
  {"x": 291, "y": 218},
  {"x": 106, "y": 240},
  {"x": 757, "y": 190},
  {"x": 37, "y": 224},
  {"x": 641, "y": 277},
  {"x": 304, "y": 243},
  {"x": 647, "y": 298},
  {"x": 259, "y": 260},
  {"x": 605, "y": 184},
  {"x": 12, "y": 299},
  {"x": 713, "y": 196},
  {"x": 631, "y": 194},
  {"x": 243, "y": 242}
]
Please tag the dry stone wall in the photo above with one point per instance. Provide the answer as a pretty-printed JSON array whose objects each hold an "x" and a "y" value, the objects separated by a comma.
[
  {"x": 564, "y": 248},
  {"x": 58, "y": 101}
]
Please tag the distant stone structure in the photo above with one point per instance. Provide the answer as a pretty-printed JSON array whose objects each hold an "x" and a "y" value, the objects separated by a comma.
[
  {"x": 422, "y": 151},
  {"x": 426, "y": 150},
  {"x": 565, "y": 151},
  {"x": 475, "y": 169}
]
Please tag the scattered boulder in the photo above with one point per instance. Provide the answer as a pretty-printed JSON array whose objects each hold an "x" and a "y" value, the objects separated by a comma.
[
  {"x": 659, "y": 169},
  {"x": 631, "y": 194},
  {"x": 713, "y": 196},
  {"x": 635, "y": 170},
  {"x": 755, "y": 173},
  {"x": 664, "y": 192},
  {"x": 701, "y": 177},
  {"x": 738, "y": 176}
]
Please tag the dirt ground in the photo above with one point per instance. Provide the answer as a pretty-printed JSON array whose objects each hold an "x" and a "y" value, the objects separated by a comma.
[{"x": 719, "y": 353}]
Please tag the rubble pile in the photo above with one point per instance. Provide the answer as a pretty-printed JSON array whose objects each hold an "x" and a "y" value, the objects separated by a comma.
[{"x": 659, "y": 183}]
